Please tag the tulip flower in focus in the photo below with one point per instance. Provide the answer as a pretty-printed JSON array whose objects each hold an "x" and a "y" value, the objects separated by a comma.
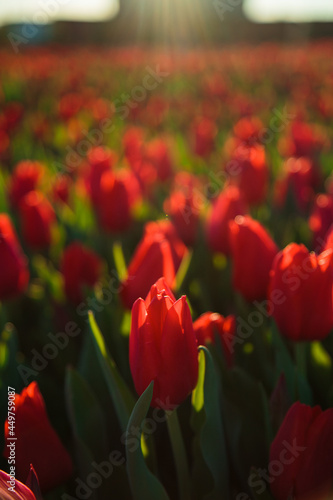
[
  {"x": 252, "y": 253},
  {"x": 80, "y": 267},
  {"x": 37, "y": 442},
  {"x": 159, "y": 253},
  {"x": 209, "y": 324},
  {"x": 303, "y": 449},
  {"x": 300, "y": 291},
  {"x": 225, "y": 208},
  {"x": 163, "y": 347},
  {"x": 37, "y": 216},
  {"x": 14, "y": 274},
  {"x": 19, "y": 492}
]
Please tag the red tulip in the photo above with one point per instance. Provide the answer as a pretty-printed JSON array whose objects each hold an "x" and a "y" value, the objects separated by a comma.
[
  {"x": 209, "y": 324},
  {"x": 133, "y": 145},
  {"x": 17, "y": 492},
  {"x": 301, "y": 290},
  {"x": 301, "y": 455},
  {"x": 37, "y": 216},
  {"x": 113, "y": 205},
  {"x": 248, "y": 129},
  {"x": 184, "y": 215},
  {"x": 204, "y": 132},
  {"x": 14, "y": 274},
  {"x": 25, "y": 178},
  {"x": 157, "y": 153},
  {"x": 226, "y": 207},
  {"x": 298, "y": 178},
  {"x": 159, "y": 253},
  {"x": 248, "y": 170},
  {"x": 80, "y": 267},
  {"x": 250, "y": 274},
  {"x": 37, "y": 442},
  {"x": 61, "y": 188},
  {"x": 100, "y": 160},
  {"x": 321, "y": 219},
  {"x": 163, "y": 347}
]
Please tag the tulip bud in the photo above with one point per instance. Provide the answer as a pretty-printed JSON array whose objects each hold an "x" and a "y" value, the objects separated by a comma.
[
  {"x": 14, "y": 274},
  {"x": 226, "y": 207},
  {"x": 113, "y": 206},
  {"x": 37, "y": 442},
  {"x": 25, "y": 178},
  {"x": 209, "y": 324},
  {"x": 250, "y": 274},
  {"x": 163, "y": 347},
  {"x": 159, "y": 253},
  {"x": 301, "y": 455},
  {"x": 80, "y": 267},
  {"x": 37, "y": 216},
  {"x": 300, "y": 290}
]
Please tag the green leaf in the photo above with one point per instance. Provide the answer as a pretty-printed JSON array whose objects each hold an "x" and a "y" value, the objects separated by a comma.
[
  {"x": 247, "y": 423},
  {"x": 122, "y": 397},
  {"x": 297, "y": 384},
  {"x": 119, "y": 261},
  {"x": 212, "y": 438},
  {"x": 85, "y": 413},
  {"x": 143, "y": 483}
]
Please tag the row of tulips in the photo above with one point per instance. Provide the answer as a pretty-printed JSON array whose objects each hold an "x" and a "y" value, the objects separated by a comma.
[{"x": 166, "y": 274}]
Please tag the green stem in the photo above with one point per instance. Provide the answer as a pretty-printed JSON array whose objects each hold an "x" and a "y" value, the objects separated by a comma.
[{"x": 179, "y": 453}]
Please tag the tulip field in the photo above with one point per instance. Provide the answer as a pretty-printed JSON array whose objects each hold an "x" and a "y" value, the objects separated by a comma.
[{"x": 166, "y": 273}]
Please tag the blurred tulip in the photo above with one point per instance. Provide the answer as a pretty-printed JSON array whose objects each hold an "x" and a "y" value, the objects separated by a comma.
[
  {"x": 184, "y": 214},
  {"x": 14, "y": 273},
  {"x": 303, "y": 453},
  {"x": 25, "y": 178},
  {"x": 321, "y": 219},
  {"x": 100, "y": 160},
  {"x": 204, "y": 132},
  {"x": 156, "y": 152},
  {"x": 159, "y": 253},
  {"x": 248, "y": 170},
  {"x": 225, "y": 208},
  {"x": 298, "y": 179},
  {"x": 61, "y": 188},
  {"x": 247, "y": 129},
  {"x": 17, "y": 492},
  {"x": 163, "y": 347},
  {"x": 113, "y": 205},
  {"x": 37, "y": 216},
  {"x": 250, "y": 271},
  {"x": 209, "y": 324},
  {"x": 80, "y": 267},
  {"x": 300, "y": 292},
  {"x": 37, "y": 442}
]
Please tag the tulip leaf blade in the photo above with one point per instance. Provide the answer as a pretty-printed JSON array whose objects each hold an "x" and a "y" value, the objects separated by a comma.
[
  {"x": 143, "y": 483},
  {"x": 212, "y": 439},
  {"x": 85, "y": 414},
  {"x": 122, "y": 397},
  {"x": 297, "y": 384}
]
